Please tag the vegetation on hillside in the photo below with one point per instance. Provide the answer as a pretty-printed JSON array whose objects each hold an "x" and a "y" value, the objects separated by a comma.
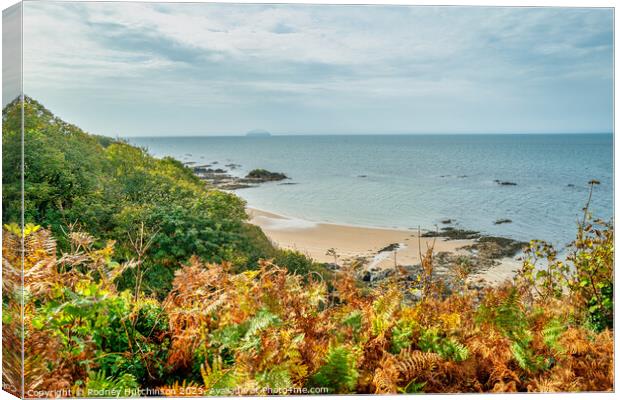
[
  {"x": 138, "y": 280},
  {"x": 274, "y": 331},
  {"x": 119, "y": 192}
]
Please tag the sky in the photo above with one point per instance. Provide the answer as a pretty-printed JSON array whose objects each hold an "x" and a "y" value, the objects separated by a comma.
[{"x": 156, "y": 69}]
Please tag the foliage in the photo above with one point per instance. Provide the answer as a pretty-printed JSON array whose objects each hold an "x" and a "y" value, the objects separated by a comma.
[
  {"x": 586, "y": 273},
  {"x": 431, "y": 341},
  {"x": 338, "y": 373},
  {"x": 221, "y": 331},
  {"x": 99, "y": 385},
  {"x": 294, "y": 261},
  {"x": 75, "y": 179}
]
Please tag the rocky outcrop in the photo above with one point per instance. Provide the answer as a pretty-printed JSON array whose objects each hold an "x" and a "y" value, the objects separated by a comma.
[
  {"x": 486, "y": 252},
  {"x": 221, "y": 179},
  {"x": 451, "y": 233},
  {"x": 262, "y": 175}
]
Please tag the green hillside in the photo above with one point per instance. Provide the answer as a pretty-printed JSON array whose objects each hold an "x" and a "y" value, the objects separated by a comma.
[{"x": 119, "y": 192}]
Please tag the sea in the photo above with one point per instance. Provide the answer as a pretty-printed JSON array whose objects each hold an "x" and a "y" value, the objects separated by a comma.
[{"x": 419, "y": 181}]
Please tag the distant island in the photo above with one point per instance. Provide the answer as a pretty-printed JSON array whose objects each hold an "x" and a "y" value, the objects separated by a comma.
[{"x": 258, "y": 133}]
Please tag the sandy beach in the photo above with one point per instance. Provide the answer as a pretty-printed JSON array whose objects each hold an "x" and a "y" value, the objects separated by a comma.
[{"x": 350, "y": 242}]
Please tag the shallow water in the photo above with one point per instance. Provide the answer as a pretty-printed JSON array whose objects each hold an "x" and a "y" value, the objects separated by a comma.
[{"x": 406, "y": 181}]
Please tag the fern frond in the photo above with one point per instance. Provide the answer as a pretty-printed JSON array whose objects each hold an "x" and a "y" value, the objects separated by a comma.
[
  {"x": 384, "y": 308},
  {"x": 551, "y": 334},
  {"x": 215, "y": 377},
  {"x": 339, "y": 372},
  {"x": 411, "y": 363}
]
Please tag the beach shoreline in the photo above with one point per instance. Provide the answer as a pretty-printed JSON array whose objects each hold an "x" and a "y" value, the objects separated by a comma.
[{"x": 377, "y": 248}]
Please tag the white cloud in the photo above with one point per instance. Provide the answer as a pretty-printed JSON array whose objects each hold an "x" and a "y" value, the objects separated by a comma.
[{"x": 312, "y": 56}]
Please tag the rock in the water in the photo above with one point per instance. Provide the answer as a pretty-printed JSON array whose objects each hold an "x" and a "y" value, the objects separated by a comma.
[
  {"x": 219, "y": 177},
  {"x": 235, "y": 186},
  {"x": 504, "y": 183},
  {"x": 262, "y": 175},
  {"x": 453, "y": 233}
]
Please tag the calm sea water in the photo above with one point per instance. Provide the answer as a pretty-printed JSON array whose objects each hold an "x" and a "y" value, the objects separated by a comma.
[{"x": 406, "y": 181}]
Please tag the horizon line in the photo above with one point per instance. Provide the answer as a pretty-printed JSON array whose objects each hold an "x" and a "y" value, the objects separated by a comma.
[{"x": 368, "y": 134}]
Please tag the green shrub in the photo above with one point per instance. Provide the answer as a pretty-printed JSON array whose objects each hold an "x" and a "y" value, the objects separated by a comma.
[{"x": 294, "y": 261}]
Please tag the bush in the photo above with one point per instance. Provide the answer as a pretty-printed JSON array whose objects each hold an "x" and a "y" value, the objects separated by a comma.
[
  {"x": 293, "y": 261},
  {"x": 218, "y": 329}
]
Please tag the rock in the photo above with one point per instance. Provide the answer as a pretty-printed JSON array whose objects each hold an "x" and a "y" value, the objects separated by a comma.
[
  {"x": 390, "y": 247},
  {"x": 235, "y": 186},
  {"x": 504, "y": 183},
  {"x": 570, "y": 185},
  {"x": 503, "y": 221},
  {"x": 332, "y": 266},
  {"x": 453, "y": 233},
  {"x": 375, "y": 274},
  {"x": 262, "y": 175},
  {"x": 204, "y": 170},
  {"x": 495, "y": 247},
  {"x": 219, "y": 177}
]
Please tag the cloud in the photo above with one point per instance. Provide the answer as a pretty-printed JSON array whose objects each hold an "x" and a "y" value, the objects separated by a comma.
[{"x": 263, "y": 61}]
